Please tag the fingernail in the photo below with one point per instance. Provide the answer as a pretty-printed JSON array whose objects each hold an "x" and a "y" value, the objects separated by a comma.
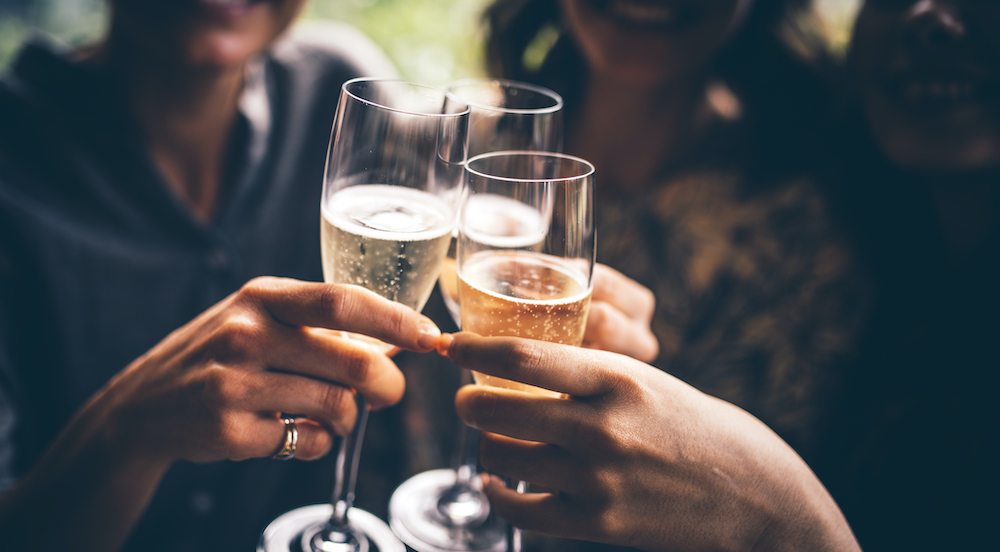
[
  {"x": 444, "y": 344},
  {"x": 429, "y": 335}
]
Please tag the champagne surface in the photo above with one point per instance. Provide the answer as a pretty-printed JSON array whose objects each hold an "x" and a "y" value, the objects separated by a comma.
[
  {"x": 389, "y": 239},
  {"x": 497, "y": 221},
  {"x": 523, "y": 294}
]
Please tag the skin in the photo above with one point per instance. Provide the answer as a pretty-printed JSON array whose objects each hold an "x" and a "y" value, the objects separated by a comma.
[
  {"x": 636, "y": 457},
  {"x": 182, "y": 65},
  {"x": 901, "y": 50},
  {"x": 213, "y": 390},
  {"x": 621, "y": 311},
  {"x": 645, "y": 85}
]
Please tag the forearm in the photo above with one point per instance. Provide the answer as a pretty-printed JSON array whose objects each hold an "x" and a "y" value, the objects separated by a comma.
[
  {"x": 794, "y": 511},
  {"x": 86, "y": 492}
]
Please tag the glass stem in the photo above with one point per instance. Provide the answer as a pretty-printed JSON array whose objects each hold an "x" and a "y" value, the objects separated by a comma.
[
  {"x": 513, "y": 533},
  {"x": 465, "y": 459},
  {"x": 348, "y": 455}
]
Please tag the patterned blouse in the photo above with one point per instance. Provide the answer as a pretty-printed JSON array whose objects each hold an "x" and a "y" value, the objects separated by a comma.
[{"x": 759, "y": 301}]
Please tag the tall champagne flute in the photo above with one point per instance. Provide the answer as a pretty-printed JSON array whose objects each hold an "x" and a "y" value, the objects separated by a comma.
[
  {"x": 390, "y": 194},
  {"x": 506, "y": 115},
  {"x": 445, "y": 509},
  {"x": 535, "y": 284}
]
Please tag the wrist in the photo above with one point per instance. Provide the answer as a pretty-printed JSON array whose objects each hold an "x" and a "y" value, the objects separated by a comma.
[{"x": 111, "y": 433}]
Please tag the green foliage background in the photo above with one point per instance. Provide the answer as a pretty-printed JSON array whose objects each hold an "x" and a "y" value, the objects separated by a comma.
[{"x": 431, "y": 41}]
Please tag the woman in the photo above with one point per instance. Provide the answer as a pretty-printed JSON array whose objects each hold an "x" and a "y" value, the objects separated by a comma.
[
  {"x": 640, "y": 459},
  {"x": 142, "y": 182},
  {"x": 705, "y": 132},
  {"x": 914, "y": 439}
]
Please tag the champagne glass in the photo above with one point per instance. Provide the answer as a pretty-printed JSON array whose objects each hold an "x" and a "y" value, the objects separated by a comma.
[
  {"x": 506, "y": 115},
  {"x": 390, "y": 193},
  {"x": 445, "y": 509},
  {"x": 535, "y": 283}
]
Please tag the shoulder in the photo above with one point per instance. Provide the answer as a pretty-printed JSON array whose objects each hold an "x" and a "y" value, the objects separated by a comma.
[{"x": 332, "y": 47}]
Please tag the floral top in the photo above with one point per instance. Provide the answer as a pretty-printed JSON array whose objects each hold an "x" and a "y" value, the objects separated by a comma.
[{"x": 759, "y": 301}]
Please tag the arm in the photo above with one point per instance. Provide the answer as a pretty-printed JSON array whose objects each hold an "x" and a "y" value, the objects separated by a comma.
[
  {"x": 212, "y": 390},
  {"x": 636, "y": 457}
]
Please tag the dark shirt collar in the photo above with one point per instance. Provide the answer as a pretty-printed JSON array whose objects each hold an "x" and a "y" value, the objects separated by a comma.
[{"x": 90, "y": 99}]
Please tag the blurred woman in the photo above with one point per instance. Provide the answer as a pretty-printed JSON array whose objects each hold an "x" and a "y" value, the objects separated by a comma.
[
  {"x": 706, "y": 133},
  {"x": 144, "y": 184},
  {"x": 910, "y": 456},
  {"x": 638, "y": 458}
]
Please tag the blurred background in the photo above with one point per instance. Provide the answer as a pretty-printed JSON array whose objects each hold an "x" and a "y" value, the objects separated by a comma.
[{"x": 431, "y": 41}]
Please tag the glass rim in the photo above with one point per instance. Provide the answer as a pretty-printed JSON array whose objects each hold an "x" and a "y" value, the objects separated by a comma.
[
  {"x": 527, "y": 153},
  {"x": 513, "y": 84},
  {"x": 444, "y": 94}
]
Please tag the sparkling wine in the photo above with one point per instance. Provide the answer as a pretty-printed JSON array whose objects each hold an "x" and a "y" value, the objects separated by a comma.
[
  {"x": 524, "y": 294},
  {"x": 493, "y": 220},
  {"x": 389, "y": 239}
]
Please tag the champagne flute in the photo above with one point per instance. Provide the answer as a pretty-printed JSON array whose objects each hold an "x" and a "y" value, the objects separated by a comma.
[
  {"x": 445, "y": 509},
  {"x": 506, "y": 115},
  {"x": 537, "y": 283},
  {"x": 390, "y": 193}
]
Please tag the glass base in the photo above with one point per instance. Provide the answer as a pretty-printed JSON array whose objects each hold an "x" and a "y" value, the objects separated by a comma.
[
  {"x": 284, "y": 534},
  {"x": 416, "y": 519}
]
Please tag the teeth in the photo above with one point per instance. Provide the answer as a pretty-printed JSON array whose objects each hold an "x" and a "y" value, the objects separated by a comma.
[
  {"x": 954, "y": 91},
  {"x": 642, "y": 12}
]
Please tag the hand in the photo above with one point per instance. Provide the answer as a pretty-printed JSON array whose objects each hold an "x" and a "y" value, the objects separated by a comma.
[
  {"x": 214, "y": 388},
  {"x": 621, "y": 310},
  {"x": 636, "y": 457}
]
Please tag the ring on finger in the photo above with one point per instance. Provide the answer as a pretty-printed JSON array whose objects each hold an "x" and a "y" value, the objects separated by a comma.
[{"x": 287, "y": 450}]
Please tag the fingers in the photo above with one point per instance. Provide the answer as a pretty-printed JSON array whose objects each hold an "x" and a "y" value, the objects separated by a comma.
[
  {"x": 314, "y": 441},
  {"x": 546, "y": 513},
  {"x": 342, "y": 307},
  {"x": 262, "y": 436},
  {"x": 572, "y": 370},
  {"x": 624, "y": 293},
  {"x": 329, "y": 404},
  {"x": 523, "y": 416},
  {"x": 609, "y": 329},
  {"x": 537, "y": 463},
  {"x": 327, "y": 355}
]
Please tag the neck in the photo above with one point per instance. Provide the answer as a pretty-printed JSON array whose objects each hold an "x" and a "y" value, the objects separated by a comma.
[
  {"x": 631, "y": 133},
  {"x": 968, "y": 209},
  {"x": 186, "y": 115}
]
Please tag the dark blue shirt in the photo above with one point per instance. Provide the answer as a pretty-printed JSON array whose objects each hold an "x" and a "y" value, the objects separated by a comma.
[{"x": 100, "y": 260}]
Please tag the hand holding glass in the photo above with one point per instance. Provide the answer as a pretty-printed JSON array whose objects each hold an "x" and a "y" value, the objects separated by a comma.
[
  {"x": 534, "y": 283},
  {"x": 390, "y": 193}
]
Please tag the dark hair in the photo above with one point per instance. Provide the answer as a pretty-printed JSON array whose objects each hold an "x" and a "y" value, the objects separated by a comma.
[{"x": 783, "y": 92}]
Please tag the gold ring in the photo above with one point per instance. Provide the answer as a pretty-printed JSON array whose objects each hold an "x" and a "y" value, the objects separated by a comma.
[{"x": 287, "y": 450}]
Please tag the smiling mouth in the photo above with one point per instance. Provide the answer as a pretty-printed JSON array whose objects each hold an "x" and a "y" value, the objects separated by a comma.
[{"x": 647, "y": 15}]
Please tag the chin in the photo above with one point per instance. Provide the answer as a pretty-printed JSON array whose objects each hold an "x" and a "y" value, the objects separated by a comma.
[
  {"x": 204, "y": 34},
  {"x": 221, "y": 51}
]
